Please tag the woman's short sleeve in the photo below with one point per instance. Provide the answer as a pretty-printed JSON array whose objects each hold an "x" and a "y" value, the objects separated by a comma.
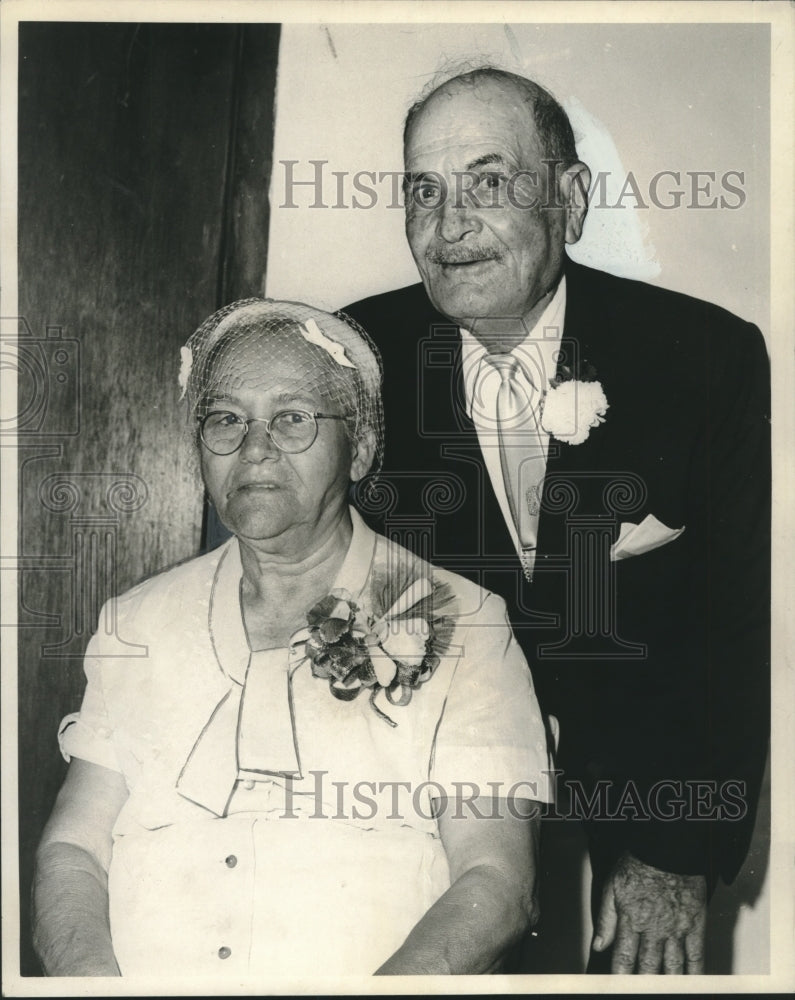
[
  {"x": 88, "y": 734},
  {"x": 491, "y": 734}
]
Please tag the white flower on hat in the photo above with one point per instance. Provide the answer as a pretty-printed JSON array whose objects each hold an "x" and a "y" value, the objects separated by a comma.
[
  {"x": 312, "y": 333},
  {"x": 185, "y": 366}
]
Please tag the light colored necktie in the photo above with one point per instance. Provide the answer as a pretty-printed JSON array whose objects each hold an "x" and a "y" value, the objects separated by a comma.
[{"x": 522, "y": 455}]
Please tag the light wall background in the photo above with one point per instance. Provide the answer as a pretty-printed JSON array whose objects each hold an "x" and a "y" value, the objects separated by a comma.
[{"x": 643, "y": 98}]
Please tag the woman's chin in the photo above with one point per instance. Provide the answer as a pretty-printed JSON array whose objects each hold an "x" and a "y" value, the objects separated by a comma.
[{"x": 258, "y": 516}]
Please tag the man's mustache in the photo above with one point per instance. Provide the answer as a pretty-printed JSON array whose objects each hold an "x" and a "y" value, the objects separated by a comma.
[{"x": 461, "y": 255}]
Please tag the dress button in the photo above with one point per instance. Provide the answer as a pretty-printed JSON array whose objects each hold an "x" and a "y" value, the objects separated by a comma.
[
  {"x": 248, "y": 784},
  {"x": 224, "y": 952},
  {"x": 231, "y": 861}
]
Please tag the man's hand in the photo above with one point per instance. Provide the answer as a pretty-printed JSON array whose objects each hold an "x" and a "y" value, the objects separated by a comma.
[{"x": 653, "y": 917}]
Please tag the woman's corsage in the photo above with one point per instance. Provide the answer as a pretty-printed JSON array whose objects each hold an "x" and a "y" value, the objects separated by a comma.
[
  {"x": 572, "y": 406},
  {"x": 364, "y": 648}
]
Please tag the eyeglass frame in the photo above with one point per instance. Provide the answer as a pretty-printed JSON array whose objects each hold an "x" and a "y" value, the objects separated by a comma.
[{"x": 267, "y": 421}]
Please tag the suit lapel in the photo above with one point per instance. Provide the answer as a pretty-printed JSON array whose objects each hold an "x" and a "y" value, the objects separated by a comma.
[{"x": 585, "y": 342}]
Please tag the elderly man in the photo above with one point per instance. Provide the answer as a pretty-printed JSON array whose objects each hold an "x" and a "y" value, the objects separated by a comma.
[{"x": 597, "y": 451}]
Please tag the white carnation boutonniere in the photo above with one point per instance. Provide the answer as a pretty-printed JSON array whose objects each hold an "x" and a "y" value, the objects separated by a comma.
[{"x": 571, "y": 407}]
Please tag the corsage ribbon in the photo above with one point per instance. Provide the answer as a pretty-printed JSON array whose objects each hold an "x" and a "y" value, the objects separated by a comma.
[{"x": 355, "y": 651}]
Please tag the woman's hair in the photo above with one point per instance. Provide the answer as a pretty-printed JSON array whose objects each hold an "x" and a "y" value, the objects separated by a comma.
[{"x": 333, "y": 356}]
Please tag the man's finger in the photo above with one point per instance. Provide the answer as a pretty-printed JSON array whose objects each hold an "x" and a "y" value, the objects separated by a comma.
[
  {"x": 650, "y": 955},
  {"x": 606, "y": 923},
  {"x": 625, "y": 949},
  {"x": 673, "y": 957},
  {"x": 694, "y": 950}
]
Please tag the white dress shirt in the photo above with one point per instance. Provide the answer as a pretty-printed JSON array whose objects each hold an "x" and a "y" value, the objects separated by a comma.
[{"x": 537, "y": 355}]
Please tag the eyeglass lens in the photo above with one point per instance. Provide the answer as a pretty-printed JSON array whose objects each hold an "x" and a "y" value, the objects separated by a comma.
[{"x": 291, "y": 431}]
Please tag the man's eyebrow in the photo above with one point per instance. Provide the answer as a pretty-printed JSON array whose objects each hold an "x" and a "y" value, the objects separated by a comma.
[
  {"x": 485, "y": 160},
  {"x": 410, "y": 178}
]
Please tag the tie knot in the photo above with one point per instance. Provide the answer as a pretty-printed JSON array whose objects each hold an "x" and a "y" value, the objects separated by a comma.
[{"x": 506, "y": 365}]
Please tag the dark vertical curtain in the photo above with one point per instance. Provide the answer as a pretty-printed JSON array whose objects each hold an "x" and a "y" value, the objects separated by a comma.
[{"x": 144, "y": 164}]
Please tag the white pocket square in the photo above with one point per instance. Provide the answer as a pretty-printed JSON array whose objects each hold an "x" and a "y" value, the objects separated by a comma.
[{"x": 635, "y": 539}]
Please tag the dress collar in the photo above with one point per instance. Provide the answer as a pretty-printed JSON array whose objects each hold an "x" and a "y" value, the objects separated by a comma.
[
  {"x": 354, "y": 573},
  {"x": 212, "y": 766}
]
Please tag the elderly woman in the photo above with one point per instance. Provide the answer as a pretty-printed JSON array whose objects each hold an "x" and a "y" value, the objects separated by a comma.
[{"x": 329, "y": 755}]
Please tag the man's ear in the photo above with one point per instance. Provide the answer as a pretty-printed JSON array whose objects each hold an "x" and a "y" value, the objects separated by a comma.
[
  {"x": 574, "y": 185},
  {"x": 363, "y": 455}
]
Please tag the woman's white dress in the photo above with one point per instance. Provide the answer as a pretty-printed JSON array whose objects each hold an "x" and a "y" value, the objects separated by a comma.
[{"x": 306, "y": 844}]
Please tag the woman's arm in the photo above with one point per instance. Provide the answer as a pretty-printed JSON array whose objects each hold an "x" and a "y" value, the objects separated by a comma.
[
  {"x": 491, "y": 901},
  {"x": 71, "y": 928}
]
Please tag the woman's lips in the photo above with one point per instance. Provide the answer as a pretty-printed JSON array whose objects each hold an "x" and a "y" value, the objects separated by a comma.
[{"x": 254, "y": 487}]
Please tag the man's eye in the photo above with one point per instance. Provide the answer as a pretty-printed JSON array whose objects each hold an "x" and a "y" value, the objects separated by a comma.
[
  {"x": 426, "y": 194},
  {"x": 491, "y": 180}
]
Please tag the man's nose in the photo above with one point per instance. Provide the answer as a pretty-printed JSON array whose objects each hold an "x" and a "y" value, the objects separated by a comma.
[
  {"x": 257, "y": 444},
  {"x": 456, "y": 219}
]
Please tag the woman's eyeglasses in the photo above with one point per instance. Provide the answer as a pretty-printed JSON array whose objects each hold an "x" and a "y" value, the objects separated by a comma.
[{"x": 291, "y": 431}]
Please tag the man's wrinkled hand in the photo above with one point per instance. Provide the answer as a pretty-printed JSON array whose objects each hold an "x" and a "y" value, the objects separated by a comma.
[{"x": 655, "y": 920}]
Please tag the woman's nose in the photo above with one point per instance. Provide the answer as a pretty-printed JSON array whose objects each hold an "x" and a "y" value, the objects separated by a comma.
[{"x": 257, "y": 444}]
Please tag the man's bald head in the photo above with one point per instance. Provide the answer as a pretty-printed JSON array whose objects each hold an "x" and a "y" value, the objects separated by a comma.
[{"x": 552, "y": 125}]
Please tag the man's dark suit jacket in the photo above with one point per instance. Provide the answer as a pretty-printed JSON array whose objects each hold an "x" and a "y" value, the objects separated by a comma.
[{"x": 656, "y": 666}]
